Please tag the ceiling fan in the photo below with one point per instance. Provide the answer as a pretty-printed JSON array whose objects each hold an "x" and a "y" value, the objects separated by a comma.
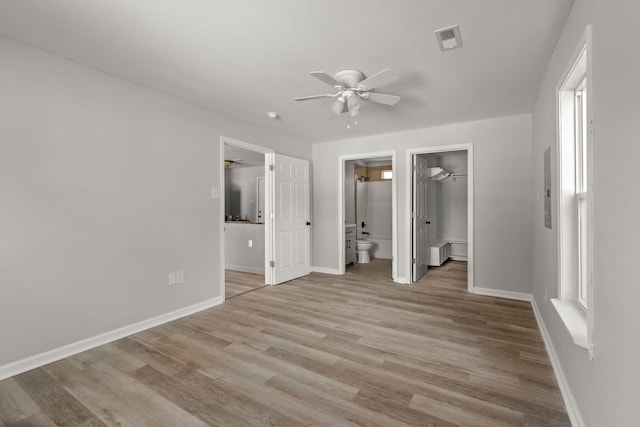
[
  {"x": 352, "y": 87},
  {"x": 230, "y": 162}
]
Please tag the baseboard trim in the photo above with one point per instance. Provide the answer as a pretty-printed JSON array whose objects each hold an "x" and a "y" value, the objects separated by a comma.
[
  {"x": 32, "y": 362},
  {"x": 458, "y": 258},
  {"x": 325, "y": 270},
  {"x": 569, "y": 401},
  {"x": 520, "y": 296},
  {"x": 244, "y": 269},
  {"x": 401, "y": 280}
]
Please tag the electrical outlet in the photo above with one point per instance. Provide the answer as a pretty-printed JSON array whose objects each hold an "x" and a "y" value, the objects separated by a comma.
[
  {"x": 250, "y": 243},
  {"x": 180, "y": 277},
  {"x": 172, "y": 279}
]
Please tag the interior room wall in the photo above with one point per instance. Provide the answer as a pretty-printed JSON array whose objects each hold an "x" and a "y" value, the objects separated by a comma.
[
  {"x": 349, "y": 193},
  {"x": 105, "y": 189},
  {"x": 603, "y": 390},
  {"x": 241, "y": 189},
  {"x": 453, "y": 198},
  {"x": 238, "y": 254},
  {"x": 503, "y": 210}
]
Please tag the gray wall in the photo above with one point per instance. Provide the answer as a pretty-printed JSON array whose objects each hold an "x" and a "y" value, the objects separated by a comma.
[
  {"x": 238, "y": 255},
  {"x": 453, "y": 198},
  {"x": 105, "y": 188},
  {"x": 349, "y": 193},
  {"x": 605, "y": 388},
  {"x": 503, "y": 208}
]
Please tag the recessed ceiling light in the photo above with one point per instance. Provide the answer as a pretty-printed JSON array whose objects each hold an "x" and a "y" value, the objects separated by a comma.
[{"x": 273, "y": 115}]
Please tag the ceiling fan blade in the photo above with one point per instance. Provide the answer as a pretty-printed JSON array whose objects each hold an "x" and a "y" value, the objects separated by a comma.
[
  {"x": 306, "y": 98},
  {"x": 382, "y": 98},
  {"x": 322, "y": 76},
  {"x": 382, "y": 78}
]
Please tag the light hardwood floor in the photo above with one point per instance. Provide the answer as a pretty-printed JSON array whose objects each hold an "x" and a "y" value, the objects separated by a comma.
[
  {"x": 238, "y": 283},
  {"x": 323, "y": 350}
]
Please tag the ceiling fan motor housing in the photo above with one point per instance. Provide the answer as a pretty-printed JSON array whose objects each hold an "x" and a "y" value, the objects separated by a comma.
[{"x": 350, "y": 78}]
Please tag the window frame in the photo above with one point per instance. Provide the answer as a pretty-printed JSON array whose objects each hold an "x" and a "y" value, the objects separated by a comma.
[{"x": 574, "y": 189}]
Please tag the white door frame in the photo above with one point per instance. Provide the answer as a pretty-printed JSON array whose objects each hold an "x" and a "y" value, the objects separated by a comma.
[
  {"x": 409, "y": 196},
  {"x": 268, "y": 190},
  {"x": 394, "y": 207}
]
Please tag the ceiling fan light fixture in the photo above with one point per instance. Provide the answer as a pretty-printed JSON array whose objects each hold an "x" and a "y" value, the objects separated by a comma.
[
  {"x": 338, "y": 105},
  {"x": 353, "y": 105}
]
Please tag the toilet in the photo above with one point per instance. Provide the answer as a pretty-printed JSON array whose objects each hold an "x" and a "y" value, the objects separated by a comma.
[{"x": 362, "y": 248}]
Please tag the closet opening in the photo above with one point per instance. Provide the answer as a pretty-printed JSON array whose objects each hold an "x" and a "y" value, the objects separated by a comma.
[{"x": 440, "y": 206}]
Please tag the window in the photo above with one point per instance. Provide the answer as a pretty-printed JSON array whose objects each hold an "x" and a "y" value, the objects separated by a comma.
[
  {"x": 581, "y": 190},
  {"x": 388, "y": 174},
  {"x": 575, "y": 236}
]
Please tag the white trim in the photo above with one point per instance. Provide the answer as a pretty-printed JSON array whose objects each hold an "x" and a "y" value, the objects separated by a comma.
[
  {"x": 268, "y": 191},
  {"x": 325, "y": 270},
  {"x": 458, "y": 258},
  {"x": 499, "y": 293},
  {"x": 403, "y": 281},
  {"x": 566, "y": 293},
  {"x": 394, "y": 207},
  {"x": 68, "y": 350},
  {"x": 409, "y": 195},
  {"x": 244, "y": 268},
  {"x": 569, "y": 401}
]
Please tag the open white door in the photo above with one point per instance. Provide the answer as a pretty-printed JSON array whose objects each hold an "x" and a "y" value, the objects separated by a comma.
[
  {"x": 420, "y": 219},
  {"x": 291, "y": 217}
]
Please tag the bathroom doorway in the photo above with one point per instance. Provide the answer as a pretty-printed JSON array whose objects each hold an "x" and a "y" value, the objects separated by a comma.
[
  {"x": 440, "y": 212},
  {"x": 367, "y": 215}
]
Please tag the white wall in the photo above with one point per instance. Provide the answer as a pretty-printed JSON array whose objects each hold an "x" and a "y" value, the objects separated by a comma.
[
  {"x": 379, "y": 217},
  {"x": 503, "y": 210},
  {"x": 349, "y": 192},
  {"x": 606, "y": 388},
  {"x": 105, "y": 188},
  {"x": 238, "y": 254},
  {"x": 453, "y": 198},
  {"x": 242, "y": 191}
]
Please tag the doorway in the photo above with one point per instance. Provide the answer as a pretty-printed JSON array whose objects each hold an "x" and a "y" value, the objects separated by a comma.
[
  {"x": 246, "y": 236},
  {"x": 367, "y": 211},
  {"x": 440, "y": 210},
  {"x": 264, "y": 230}
]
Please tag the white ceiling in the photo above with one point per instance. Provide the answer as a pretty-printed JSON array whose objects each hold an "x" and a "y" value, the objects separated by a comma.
[
  {"x": 243, "y": 158},
  {"x": 246, "y": 57}
]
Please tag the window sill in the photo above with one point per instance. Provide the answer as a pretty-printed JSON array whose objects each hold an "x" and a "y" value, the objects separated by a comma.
[{"x": 575, "y": 320}]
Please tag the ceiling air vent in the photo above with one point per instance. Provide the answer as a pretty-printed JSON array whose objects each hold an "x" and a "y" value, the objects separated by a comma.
[{"x": 449, "y": 38}]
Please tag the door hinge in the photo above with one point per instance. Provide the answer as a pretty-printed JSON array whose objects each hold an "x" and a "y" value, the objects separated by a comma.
[
  {"x": 272, "y": 167},
  {"x": 414, "y": 260},
  {"x": 272, "y": 263}
]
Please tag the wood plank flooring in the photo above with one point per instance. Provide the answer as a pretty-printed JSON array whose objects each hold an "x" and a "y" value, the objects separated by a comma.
[
  {"x": 238, "y": 283},
  {"x": 321, "y": 350}
]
